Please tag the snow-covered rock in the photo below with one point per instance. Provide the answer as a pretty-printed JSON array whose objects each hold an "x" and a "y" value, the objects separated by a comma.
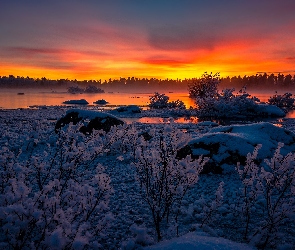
[
  {"x": 231, "y": 144},
  {"x": 100, "y": 102},
  {"x": 91, "y": 119},
  {"x": 79, "y": 102},
  {"x": 270, "y": 110}
]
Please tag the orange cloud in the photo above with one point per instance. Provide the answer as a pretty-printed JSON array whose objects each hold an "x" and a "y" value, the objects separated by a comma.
[{"x": 103, "y": 52}]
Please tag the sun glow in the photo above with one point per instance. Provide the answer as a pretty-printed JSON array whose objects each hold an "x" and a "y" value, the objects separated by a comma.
[{"x": 141, "y": 60}]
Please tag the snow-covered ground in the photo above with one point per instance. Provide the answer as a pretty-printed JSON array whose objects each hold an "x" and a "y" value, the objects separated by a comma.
[
  {"x": 193, "y": 241},
  {"x": 129, "y": 220}
]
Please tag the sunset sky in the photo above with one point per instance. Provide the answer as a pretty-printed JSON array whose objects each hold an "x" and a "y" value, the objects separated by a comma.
[{"x": 105, "y": 39}]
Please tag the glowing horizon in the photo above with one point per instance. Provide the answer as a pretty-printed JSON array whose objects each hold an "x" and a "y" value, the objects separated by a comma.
[{"x": 162, "y": 39}]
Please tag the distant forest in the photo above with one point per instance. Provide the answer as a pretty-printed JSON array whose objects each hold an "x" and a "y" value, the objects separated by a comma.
[{"x": 254, "y": 82}]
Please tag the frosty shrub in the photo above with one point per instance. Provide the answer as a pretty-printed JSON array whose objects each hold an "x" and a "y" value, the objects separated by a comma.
[
  {"x": 53, "y": 195},
  {"x": 250, "y": 188},
  {"x": 161, "y": 101},
  {"x": 122, "y": 139},
  {"x": 226, "y": 104},
  {"x": 165, "y": 179},
  {"x": 270, "y": 188},
  {"x": 212, "y": 103},
  {"x": 282, "y": 101},
  {"x": 204, "y": 87},
  {"x": 208, "y": 212}
]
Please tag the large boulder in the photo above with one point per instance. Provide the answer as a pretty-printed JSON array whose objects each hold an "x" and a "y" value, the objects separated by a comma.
[
  {"x": 227, "y": 145},
  {"x": 91, "y": 119}
]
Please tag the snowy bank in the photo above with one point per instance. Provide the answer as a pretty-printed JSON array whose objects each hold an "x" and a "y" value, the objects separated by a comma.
[
  {"x": 30, "y": 150},
  {"x": 193, "y": 241},
  {"x": 270, "y": 110}
]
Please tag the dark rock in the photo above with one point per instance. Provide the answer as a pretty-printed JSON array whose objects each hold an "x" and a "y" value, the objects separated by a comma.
[
  {"x": 77, "y": 102},
  {"x": 146, "y": 136},
  {"x": 184, "y": 152},
  {"x": 210, "y": 166},
  {"x": 72, "y": 117},
  {"x": 100, "y": 102},
  {"x": 91, "y": 119},
  {"x": 129, "y": 109},
  {"x": 99, "y": 123}
]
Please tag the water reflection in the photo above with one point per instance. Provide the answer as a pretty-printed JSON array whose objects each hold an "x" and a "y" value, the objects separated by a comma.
[
  {"x": 162, "y": 120},
  {"x": 11, "y": 99},
  {"x": 290, "y": 114},
  {"x": 195, "y": 120}
]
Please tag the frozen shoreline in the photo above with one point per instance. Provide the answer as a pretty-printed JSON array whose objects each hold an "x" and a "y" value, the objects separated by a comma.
[{"x": 125, "y": 203}]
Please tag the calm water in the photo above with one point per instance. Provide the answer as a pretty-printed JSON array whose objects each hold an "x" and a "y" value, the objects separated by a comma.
[{"x": 12, "y": 99}]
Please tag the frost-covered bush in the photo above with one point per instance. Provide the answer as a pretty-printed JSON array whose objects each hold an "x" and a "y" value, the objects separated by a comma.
[
  {"x": 122, "y": 139},
  {"x": 271, "y": 188},
  {"x": 52, "y": 194},
  {"x": 226, "y": 104},
  {"x": 209, "y": 211},
  {"x": 206, "y": 86},
  {"x": 212, "y": 103},
  {"x": 141, "y": 238},
  {"x": 249, "y": 176},
  {"x": 164, "y": 178},
  {"x": 178, "y": 104},
  {"x": 282, "y": 101},
  {"x": 161, "y": 101}
]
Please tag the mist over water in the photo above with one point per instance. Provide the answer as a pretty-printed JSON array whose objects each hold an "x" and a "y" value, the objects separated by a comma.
[{"x": 24, "y": 98}]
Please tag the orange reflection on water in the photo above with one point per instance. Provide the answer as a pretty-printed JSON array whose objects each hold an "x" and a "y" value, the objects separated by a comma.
[{"x": 290, "y": 114}]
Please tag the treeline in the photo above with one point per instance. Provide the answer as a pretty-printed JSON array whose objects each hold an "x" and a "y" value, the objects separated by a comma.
[
  {"x": 129, "y": 83},
  {"x": 260, "y": 82},
  {"x": 28, "y": 82},
  {"x": 254, "y": 82}
]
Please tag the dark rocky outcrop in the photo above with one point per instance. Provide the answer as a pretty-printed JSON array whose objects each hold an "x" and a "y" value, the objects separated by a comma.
[
  {"x": 77, "y": 102},
  {"x": 91, "y": 120},
  {"x": 72, "y": 117},
  {"x": 210, "y": 166},
  {"x": 99, "y": 123},
  {"x": 128, "y": 109}
]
